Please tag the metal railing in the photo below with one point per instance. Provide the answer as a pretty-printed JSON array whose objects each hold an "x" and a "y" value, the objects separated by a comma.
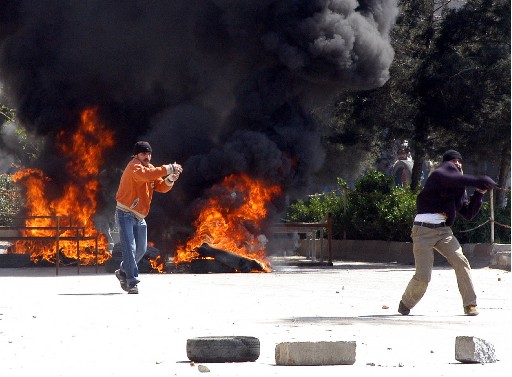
[
  {"x": 311, "y": 229},
  {"x": 64, "y": 224}
]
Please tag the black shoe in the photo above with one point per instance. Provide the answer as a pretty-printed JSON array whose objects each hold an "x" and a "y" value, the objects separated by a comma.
[
  {"x": 133, "y": 290},
  {"x": 402, "y": 309},
  {"x": 121, "y": 276}
]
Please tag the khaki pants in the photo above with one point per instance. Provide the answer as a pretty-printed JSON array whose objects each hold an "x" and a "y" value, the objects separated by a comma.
[{"x": 425, "y": 240}]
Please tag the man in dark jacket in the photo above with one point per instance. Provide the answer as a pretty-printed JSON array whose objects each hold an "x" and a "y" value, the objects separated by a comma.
[{"x": 437, "y": 205}]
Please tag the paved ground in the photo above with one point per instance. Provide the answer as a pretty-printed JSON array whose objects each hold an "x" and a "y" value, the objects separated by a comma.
[{"x": 70, "y": 325}]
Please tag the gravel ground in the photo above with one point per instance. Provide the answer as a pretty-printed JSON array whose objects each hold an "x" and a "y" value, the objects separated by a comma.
[{"x": 85, "y": 325}]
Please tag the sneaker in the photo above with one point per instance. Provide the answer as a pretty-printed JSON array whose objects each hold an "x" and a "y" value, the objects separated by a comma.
[
  {"x": 133, "y": 290},
  {"x": 121, "y": 276},
  {"x": 402, "y": 309},
  {"x": 470, "y": 310}
]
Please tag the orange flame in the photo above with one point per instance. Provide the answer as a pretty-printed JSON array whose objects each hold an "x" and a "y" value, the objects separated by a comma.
[
  {"x": 225, "y": 221},
  {"x": 157, "y": 264},
  {"x": 77, "y": 206}
]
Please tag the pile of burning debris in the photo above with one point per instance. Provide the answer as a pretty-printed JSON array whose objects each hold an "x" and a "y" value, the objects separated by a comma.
[
  {"x": 207, "y": 259},
  {"x": 212, "y": 260}
]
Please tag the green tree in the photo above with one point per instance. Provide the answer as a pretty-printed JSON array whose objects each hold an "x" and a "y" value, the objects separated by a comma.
[
  {"x": 471, "y": 82},
  {"x": 395, "y": 111},
  {"x": 7, "y": 114},
  {"x": 10, "y": 199},
  {"x": 416, "y": 103},
  {"x": 25, "y": 149}
]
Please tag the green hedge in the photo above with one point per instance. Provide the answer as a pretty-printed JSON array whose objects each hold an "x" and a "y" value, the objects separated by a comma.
[{"x": 377, "y": 210}]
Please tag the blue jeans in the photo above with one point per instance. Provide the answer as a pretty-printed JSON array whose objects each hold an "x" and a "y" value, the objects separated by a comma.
[{"x": 133, "y": 237}]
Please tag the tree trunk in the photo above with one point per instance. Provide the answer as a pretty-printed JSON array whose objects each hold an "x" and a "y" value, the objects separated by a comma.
[
  {"x": 420, "y": 138},
  {"x": 417, "y": 170},
  {"x": 504, "y": 176}
]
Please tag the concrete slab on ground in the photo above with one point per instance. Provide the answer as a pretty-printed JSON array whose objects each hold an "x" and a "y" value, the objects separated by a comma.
[{"x": 84, "y": 325}]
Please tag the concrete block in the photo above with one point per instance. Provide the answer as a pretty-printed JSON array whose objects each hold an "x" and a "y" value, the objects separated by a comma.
[
  {"x": 500, "y": 257},
  {"x": 501, "y": 261},
  {"x": 316, "y": 353},
  {"x": 469, "y": 349},
  {"x": 483, "y": 250},
  {"x": 223, "y": 349},
  {"x": 502, "y": 247},
  {"x": 468, "y": 249}
]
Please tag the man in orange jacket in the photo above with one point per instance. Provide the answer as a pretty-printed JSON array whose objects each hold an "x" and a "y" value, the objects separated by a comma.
[{"x": 133, "y": 197}]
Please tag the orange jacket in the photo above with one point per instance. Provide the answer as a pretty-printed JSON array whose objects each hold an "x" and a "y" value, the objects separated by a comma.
[{"x": 137, "y": 185}]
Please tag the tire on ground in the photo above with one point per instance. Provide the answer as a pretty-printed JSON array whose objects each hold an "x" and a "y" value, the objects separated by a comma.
[{"x": 223, "y": 349}]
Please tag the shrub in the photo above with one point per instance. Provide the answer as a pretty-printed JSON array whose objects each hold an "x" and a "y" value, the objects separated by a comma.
[
  {"x": 377, "y": 210},
  {"x": 397, "y": 211}
]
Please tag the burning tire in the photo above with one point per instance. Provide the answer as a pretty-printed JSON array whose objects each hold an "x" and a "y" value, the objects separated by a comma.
[{"x": 223, "y": 349}]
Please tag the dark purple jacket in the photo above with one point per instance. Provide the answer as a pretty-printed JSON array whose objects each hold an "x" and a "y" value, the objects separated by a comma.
[{"x": 445, "y": 192}]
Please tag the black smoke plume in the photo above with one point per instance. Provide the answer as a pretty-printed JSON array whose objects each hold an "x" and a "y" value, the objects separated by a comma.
[{"x": 221, "y": 86}]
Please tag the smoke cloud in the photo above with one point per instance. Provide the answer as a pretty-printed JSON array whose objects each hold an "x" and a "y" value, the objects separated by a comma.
[{"x": 221, "y": 86}]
